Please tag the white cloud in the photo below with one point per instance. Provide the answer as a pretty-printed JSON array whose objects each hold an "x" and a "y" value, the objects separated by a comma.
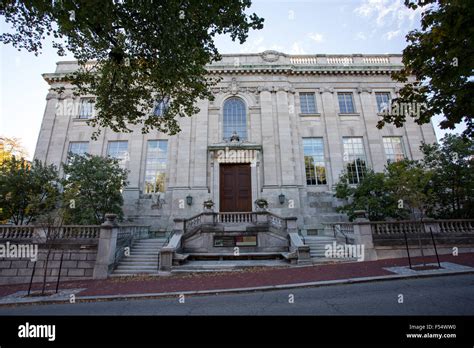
[
  {"x": 296, "y": 48},
  {"x": 388, "y": 12},
  {"x": 317, "y": 37},
  {"x": 253, "y": 45},
  {"x": 391, "y": 34}
]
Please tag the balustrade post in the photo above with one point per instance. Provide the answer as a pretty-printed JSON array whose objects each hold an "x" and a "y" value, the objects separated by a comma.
[
  {"x": 106, "y": 248},
  {"x": 178, "y": 224},
  {"x": 291, "y": 224},
  {"x": 363, "y": 236}
]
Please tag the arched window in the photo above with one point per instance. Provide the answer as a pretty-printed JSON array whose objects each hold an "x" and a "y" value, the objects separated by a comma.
[{"x": 235, "y": 118}]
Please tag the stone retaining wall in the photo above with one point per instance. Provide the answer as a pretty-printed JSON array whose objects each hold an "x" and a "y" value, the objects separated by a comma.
[{"x": 77, "y": 264}]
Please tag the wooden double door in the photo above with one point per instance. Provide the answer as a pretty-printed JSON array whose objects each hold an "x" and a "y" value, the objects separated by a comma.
[{"x": 235, "y": 188}]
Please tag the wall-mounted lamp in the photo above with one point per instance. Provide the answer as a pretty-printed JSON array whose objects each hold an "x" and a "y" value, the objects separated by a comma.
[
  {"x": 189, "y": 200},
  {"x": 281, "y": 198}
]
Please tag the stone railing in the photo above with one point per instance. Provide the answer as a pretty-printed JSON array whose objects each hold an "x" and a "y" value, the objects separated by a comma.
[
  {"x": 304, "y": 60},
  {"x": 275, "y": 222},
  {"x": 16, "y": 232},
  {"x": 78, "y": 232},
  {"x": 43, "y": 233},
  {"x": 342, "y": 231},
  {"x": 396, "y": 228},
  {"x": 339, "y": 60},
  {"x": 236, "y": 217},
  {"x": 390, "y": 239},
  {"x": 126, "y": 235},
  {"x": 376, "y": 60}
]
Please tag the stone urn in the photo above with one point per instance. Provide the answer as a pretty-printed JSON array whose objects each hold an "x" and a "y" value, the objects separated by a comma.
[
  {"x": 262, "y": 204},
  {"x": 208, "y": 205}
]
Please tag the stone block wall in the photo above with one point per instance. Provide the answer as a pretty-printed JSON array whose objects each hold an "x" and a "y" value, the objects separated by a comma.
[{"x": 77, "y": 264}]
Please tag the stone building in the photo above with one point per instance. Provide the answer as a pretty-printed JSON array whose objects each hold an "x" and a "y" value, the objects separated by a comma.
[{"x": 281, "y": 127}]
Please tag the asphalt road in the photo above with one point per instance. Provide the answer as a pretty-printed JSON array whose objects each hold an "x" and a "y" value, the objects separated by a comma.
[{"x": 447, "y": 295}]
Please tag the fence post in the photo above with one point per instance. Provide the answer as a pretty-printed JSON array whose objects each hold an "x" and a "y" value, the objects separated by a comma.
[
  {"x": 363, "y": 236},
  {"x": 106, "y": 248}
]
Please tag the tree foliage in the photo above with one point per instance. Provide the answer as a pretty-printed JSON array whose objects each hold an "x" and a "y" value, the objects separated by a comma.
[
  {"x": 441, "y": 185},
  {"x": 144, "y": 52},
  {"x": 372, "y": 194},
  {"x": 27, "y": 191},
  {"x": 9, "y": 147},
  {"x": 92, "y": 188},
  {"x": 441, "y": 58},
  {"x": 452, "y": 165}
]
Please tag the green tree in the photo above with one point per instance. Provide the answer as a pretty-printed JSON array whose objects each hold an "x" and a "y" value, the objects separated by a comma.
[
  {"x": 403, "y": 189},
  {"x": 371, "y": 195},
  {"x": 143, "y": 52},
  {"x": 92, "y": 188},
  {"x": 411, "y": 185},
  {"x": 27, "y": 191},
  {"x": 452, "y": 165},
  {"x": 440, "y": 56}
]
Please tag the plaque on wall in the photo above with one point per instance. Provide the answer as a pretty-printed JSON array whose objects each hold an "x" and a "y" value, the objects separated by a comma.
[{"x": 232, "y": 241}]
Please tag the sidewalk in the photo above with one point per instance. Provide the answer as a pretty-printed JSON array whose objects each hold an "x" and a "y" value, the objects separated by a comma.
[{"x": 245, "y": 280}]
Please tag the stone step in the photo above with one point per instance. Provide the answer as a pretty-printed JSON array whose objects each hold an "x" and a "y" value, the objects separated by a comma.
[
  {"x": 146, "y": 249},
  {"x": 148, "y": 245},
  {"x": 138, "y": 268},
  {"x": 132, "y": 272},
  {"x": 137, "y": 264},
  {"x": 135, "y": 252},
  {"x": 139, "y": 258}
]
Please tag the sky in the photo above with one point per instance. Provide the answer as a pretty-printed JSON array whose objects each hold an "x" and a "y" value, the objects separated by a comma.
[{"x": 293, "y": 27}]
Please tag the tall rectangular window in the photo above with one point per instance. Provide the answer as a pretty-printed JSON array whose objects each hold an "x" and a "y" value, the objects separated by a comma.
[
  {"x": 354, "y": 159},
  {"x": 78, "y": 147},
  {"x": 315, "y": 167},
  {"x": 308, "y": 103},
  {"x": 161, "y": 107},
  {"x": 86, "y": 108},
  {"x": 118, "y": 150},
  {"x": 393, "y": 147},
  {"x": 383, "y": 101},
  {"x": 155, "y": 166},
  {"x": 346, "y": 103}
]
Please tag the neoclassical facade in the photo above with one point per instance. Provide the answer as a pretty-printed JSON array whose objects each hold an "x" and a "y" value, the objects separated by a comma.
[{"x": 281, "y": 127}]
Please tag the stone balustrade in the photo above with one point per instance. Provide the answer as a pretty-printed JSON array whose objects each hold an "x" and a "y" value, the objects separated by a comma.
[
  {"x": 339, "y": 60},
  {"x": 38, "y": 232}
]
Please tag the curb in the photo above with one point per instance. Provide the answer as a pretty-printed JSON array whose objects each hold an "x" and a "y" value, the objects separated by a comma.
[{"x": 79, "y": 299}]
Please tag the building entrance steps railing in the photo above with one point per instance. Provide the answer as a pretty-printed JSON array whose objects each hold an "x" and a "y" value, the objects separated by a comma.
[
  {"x": 268, "y": 221},
  {"x": 275, "y": 222},
  {"x": 343, "y": 232}
]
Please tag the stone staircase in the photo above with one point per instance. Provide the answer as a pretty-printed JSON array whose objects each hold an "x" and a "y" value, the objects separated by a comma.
[
  {"x": 317, "y": 249},
  {"x": 317, "y": 244},
  {"x": 143, "y": 258}
]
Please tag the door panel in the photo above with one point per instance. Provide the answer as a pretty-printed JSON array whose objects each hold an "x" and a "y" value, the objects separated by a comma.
[{"x": 235, "y": 188}]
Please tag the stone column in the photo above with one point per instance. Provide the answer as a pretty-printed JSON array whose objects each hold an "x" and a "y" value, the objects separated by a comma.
[
  {"x": 268, "y": 140},
  {"x": 106, "y": 248},
  {"x": 44, "y": 138},
  {"x": 374, "y": 136},
  {"x": 285, "y": 139},
  {"x": 334, "y": 140}
]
